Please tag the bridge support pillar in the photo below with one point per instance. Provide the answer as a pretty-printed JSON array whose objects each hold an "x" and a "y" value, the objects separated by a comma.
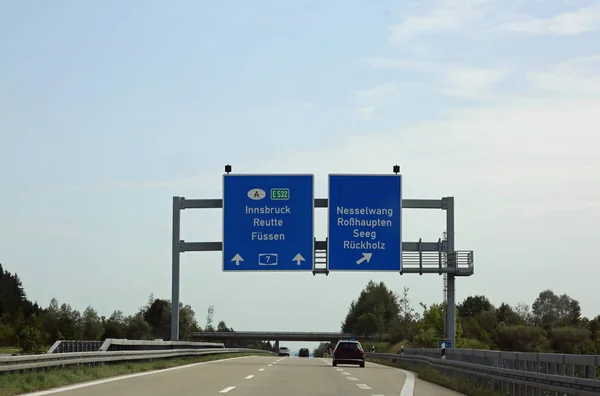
[{"x": 276, "y": 346}]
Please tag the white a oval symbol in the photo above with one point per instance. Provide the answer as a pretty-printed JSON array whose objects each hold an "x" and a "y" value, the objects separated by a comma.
[{"x": 256, "y": 194}]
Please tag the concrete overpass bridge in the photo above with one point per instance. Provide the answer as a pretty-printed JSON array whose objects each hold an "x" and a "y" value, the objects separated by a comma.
[{"x": 279, "y": 336}]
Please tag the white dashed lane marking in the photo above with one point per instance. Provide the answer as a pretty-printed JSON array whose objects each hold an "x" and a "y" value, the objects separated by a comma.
[
  {"x": 363, "y": 386},
  {"x": 352, "y": 378},
  {"x": 270, "y": 365},
  {"x": 344, "y": 373},
  {"x": 229, "y": 388},
  {"x": 250, "y": 376}
]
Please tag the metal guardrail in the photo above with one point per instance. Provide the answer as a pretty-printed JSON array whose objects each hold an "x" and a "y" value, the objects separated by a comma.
[
  {"x": 280, "y": 336},
  {"x": 118, "y": 344},
  {"x": 48, "y": 360},
  {"x": 515, "y": 373},
  {"x": 63, "y": 346}
]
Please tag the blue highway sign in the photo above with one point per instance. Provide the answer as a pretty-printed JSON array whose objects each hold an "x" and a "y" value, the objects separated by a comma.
[
  {"x": 445, "y": 344},
  {"x": 365, "y": 223},
  {"x": 268, "y": 222}
]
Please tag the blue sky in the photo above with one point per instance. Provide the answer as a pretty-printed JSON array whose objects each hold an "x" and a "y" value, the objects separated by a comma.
[{"x": 108, "y": 109}]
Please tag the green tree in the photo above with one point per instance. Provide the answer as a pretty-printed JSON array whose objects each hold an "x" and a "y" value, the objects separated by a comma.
[
  {"x": 23, "y": 323},
  {"x": 549, "y": 308},
  {"x": 222, "y": 327},
  {"x": 321, "y": 349},
  {"x": 404, "y": 326},
  {"x": 210, "y": 313},
  {"x": 554, "y": 322},
  {"x": 137, "y": 328},
  {"x": 187, "y": 322},
  {"x": 431, "y": 327},
  {"x": 31, "y": 340},
  {"x": 507, "y": 315},
  {"x": 93, "y": 328},
  {"x": 158, "y": 316},
  {"x": 473, "y": 306},
  {"x": 70, "y": 324},
  {"x": 15, "y": 309},
  {"x": 115, "y": 326},
  {"x": 571, "y": 340},
  {"x": 522, "y": 338},
  {"x": 523, "y": 312},
  {"x": 376, "y": 308}
]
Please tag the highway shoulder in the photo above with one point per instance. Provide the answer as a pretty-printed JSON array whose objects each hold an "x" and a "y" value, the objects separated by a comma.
[
  {"x": 387, "y": 377},
  {"x": 424, "y": 388},
  {"x": 213, "y": 376}
]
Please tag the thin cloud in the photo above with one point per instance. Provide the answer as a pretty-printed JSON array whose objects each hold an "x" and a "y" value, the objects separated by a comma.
[
  {"x": 583, "y": 20},
  {"x": 115, "y": 185},
  {"x": 470, "y": 82},
  {"x": 45, "y": 230},
  {"x": 579, "y": 76},
  {"x": 452, "y": 79},
  {"x": 365, "y": 113},
  {"x": 505, "y": 145},
  {"x": 377, "y": 92},
  {"x": 285, "y": 109},
  {"x": 395, "y": 63},
  {"x": 443, "y": 16}
]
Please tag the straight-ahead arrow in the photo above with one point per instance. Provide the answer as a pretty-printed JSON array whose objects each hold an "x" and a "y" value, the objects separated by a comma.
[
  {"x": 298, "y": 258},
  {"x": 366, "y": 257},
  {"x": 237, "y": 258}
]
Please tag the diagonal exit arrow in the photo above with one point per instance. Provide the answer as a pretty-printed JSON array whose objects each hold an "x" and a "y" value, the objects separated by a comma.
[{"x": 366, "y": 257}]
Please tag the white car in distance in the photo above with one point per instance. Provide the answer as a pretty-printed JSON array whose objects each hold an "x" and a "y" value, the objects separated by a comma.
[{"x": 284, "y": 351}]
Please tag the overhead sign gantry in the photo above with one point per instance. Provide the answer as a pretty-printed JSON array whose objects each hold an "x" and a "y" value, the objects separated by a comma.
[{"x": 268, "y": 225}]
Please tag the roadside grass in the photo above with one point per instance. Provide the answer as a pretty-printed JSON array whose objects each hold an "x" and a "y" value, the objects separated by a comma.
[
  {"x": 9, "y": 351},
  {"x": 31, "y": 381},
  {"x": 397, "y": 346},
  {"x": 435, "y": 377},
  {"x": 380, "y": 347}
]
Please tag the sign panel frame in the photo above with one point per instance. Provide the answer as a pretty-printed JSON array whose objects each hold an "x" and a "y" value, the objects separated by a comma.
[
  {"x": 335, "y": 252},
  {"x": 269, "y": 259}
]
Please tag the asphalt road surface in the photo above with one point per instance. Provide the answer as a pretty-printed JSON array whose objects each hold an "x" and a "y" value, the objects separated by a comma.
[{"x": 261, "y": 376}]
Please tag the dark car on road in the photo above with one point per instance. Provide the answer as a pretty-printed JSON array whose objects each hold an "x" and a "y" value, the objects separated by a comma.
[
  {"x": 349, "y": 352},
  {"x": 303, "y": 352}
]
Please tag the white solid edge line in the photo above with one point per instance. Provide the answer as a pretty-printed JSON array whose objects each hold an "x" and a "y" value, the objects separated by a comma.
[
  {"x": 229, "y": 388},
  {"x": 409, "y": 384},
  {"x": 122, "y": 377},
  {"x": 408, "y": 389}
]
